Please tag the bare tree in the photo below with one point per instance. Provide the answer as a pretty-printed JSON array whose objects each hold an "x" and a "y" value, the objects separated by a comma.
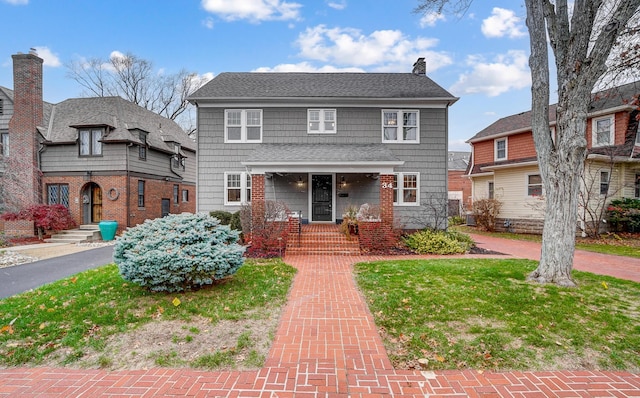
[
  {"x": 134, "y": 79},
  {"x": 581, "y": 41}
]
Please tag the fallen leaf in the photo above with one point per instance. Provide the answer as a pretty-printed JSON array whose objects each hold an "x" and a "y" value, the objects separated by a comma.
[
  {"x": 439, "y": 358},
  {"x": 74, "y": 279},
  {"x": 604, "y": 284},
  {"x": 6, "y": 329}
]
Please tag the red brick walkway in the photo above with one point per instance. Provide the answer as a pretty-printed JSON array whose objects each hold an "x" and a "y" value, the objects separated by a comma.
[{"x": 326, "y": 346}]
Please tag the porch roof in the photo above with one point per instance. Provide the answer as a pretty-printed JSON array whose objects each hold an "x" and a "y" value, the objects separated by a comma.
[{"x": 371, "y": 158}]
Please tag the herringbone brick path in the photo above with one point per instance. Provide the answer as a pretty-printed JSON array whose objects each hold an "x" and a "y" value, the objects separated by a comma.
[{"x": 326, "y": 346}]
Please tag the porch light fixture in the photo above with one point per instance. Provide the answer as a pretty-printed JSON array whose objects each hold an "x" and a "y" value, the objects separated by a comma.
[
  {"x": 343, "y": 182},
  {"x": 300, "y": 182}
]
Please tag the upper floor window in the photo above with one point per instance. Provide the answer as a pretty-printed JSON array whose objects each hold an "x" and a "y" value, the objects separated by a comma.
[
  {"x": 322, "y": 121},
  {"x": 243, "y": 125},
  {"x": 603, "y": 129},
  {"x": 142, "y": 148},
  {"x": 500, "y": 149},
  {"x": 534, "y": 185},
  {"x": 4, "y": 144},
  {"x": 237, "y": 188},
  {"x": 400, "y": 126},
  {"x": 406, "y": 189},
  {"x": 90, "y": 142},
  {"x": 604, "y": 182}
]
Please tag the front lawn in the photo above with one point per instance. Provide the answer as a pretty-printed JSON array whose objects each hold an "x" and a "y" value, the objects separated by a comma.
[
  {"x": 482, "y": 314},
  {"x": 96, "y": 319}
]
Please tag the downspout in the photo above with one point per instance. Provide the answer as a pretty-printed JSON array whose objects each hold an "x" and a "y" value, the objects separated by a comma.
[{"x": 128, "y": 186}]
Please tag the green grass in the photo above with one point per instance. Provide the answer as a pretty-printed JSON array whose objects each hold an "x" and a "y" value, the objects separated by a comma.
[
  {"x": 608, "y": 244},
  {"x": 482, "y": 314},
  {"x": 78, "y": 314}
]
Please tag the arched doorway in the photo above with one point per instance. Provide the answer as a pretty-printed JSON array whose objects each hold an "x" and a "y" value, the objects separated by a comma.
[{"x": 91, "y": 203}]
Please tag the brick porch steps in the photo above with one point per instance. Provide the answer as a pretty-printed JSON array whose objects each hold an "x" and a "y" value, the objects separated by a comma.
[{"x": 322, "y": 239}]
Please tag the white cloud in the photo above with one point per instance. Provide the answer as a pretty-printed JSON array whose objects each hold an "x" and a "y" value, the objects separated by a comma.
[
  {"x": 17, "y": 2},
  {"x": 507, "y": 72},
  {"x": 208, "y": 23},
  {"x": 338, "y": 5},
  {"x": 380, "y": 51},
  {"x": 431, "y": 19},
  {"x": 502, "y": 23},
  {"x": 306, "y": 67},
  {"x": 253, "y": 10},
  {"x": 50, "y": 59}
]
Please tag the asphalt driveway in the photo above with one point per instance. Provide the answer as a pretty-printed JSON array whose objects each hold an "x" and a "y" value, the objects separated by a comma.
[{"x": 20, "y": 278}]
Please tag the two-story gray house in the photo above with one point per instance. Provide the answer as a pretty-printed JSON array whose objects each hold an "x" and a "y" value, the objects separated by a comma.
[
  {"x": 104, "y": 158},
  {"x": 320, "y": 142}
]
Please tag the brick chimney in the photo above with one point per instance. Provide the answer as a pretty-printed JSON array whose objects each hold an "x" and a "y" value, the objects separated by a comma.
[
  {"x": 420, "y": 67},
  {"x": 23, "y": 133}
]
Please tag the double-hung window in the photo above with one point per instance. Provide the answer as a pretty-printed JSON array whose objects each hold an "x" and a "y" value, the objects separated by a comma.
[
  {"x": 500, "y": 149},
  {"x": 142, "y": 148},
  {"x": 534, "y": 185},
  {"x": 176, "y": 194},
  {"x": 603, "y": 129},
  {"x": 58, "y": 194},
  {"x": 604, "y": 182},
  {"x": 185, "y": 195},
  {"x": 321, "y": 121},
  {"x": 243, "y": 125},
  {"x": 90, "y": 142},
  {"x": 400, "y": 126},
  {"x": 4, "y": 144},
  {"x": 406, "y": 189},
  {"x": 140, "y": 193},
  {"x": 237, "y": 188},
  {"x": 491, "y": 190}
]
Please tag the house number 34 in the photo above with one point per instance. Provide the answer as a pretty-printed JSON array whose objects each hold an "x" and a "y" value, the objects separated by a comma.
[{"x": 387, "y": 185}]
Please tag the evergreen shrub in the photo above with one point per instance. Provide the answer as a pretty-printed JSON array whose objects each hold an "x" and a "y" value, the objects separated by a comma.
[
  {"x": 178, "y": 252},
  {"x": 430, "y": 241}
]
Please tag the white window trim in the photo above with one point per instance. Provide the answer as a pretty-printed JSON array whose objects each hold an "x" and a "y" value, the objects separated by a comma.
[
  {"x": 526, "y": 183},
  {"x": 594, "y": 131},
  {"x": 608, "y": 182},
  {"x": 322, "y": 129},
  {"x": 243, "y": 126},
  {"x": 243, "y": 188},
  {"x": 506, "y": 148},
  {"x": 491, "y": 193},
  {"x": 400, "y": 196},
  {"x": 399, "y": 139}
]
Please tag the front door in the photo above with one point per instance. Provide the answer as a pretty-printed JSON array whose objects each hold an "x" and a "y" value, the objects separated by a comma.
[
  {"x": 321, "y": 198},
  {"x": 166, "y": 207},
  {"x": 91, "y": 204}
]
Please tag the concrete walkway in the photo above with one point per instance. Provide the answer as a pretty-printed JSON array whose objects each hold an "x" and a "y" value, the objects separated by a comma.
[{"x": 326, "y": 346}]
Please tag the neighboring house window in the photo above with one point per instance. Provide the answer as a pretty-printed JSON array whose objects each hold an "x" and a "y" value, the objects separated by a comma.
[
  {"x": 322, "y": 121},
  {"x": 534, "y": 185},
  {"x": 185, "y": 195},
  {"x": 90, "y": 144},
  {"x": 176, "y": 194},
  {"x": 638, "y": 135},
  {"x": 140, "y": 193},
  {"x": 603, "y": 129},
  {"x": 637, "y": 186},
  {"x": 500, "y": 149},
  {"x": 1, "y": 107},
  {"x": 243, "y": 125},
  {"x": 400, "y": 126},
  {"x": 491, "y": 190},
  {"x": 604, "y": 182},
  {"x": 142, "y": 148},
  {"x": 58, "y": 194},
  {"x": 237, "y": 187},
  {"x": 4, "y": 144},
  {"x": 406, "y": 189}
]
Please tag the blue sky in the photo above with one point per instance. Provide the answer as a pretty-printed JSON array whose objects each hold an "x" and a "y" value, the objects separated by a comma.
[{"x": 480, "y": 56}]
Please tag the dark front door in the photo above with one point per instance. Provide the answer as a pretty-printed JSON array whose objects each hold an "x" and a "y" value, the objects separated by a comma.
[
  {"x": 91, "y": 204},
  {"x": 166, "y": 207},
  {"x": 321, "y": 198}
]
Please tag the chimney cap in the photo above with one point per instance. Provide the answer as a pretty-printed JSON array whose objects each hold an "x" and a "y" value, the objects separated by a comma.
[{"x": 33, "y": 51}]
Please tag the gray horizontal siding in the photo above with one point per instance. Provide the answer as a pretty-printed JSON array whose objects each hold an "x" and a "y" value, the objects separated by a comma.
[{"x": 65, "y": 158}]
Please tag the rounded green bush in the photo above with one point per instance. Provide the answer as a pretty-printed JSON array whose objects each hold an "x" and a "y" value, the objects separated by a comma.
[
  {"x": 439, "y": 242},
  {"x": 178, "y": 252}
]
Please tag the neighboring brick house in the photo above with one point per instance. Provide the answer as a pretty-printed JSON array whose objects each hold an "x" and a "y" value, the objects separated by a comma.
[
  {"x": 459, "y": 184},
  {"x": 320, "y": 142},
  {"x": 104, "y": 158},
  {"x": 504, "y": 163}
]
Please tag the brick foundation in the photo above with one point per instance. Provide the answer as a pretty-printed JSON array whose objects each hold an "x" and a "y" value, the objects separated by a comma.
[
  {"x": 376, "y": 236},
  {"x": 19, "y": 228}
]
